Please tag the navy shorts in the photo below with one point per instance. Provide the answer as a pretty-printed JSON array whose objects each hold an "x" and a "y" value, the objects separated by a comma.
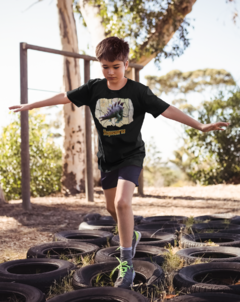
[{"x": 109, "y": 179}]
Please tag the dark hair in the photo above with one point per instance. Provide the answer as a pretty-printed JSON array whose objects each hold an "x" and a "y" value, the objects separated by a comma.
[{"x": 111, "y": 49}]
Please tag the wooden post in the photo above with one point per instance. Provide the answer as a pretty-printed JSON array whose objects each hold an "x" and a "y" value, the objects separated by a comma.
[
  {"x": 140, "y": 179},
  {"x": 88, "y": 142},
  {"x": 25, "y": 166}
]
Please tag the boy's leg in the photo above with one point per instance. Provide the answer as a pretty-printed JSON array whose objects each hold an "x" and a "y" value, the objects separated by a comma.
[
  {"x": 123, "y": 205},
  {"x": 110, "y": 197}
]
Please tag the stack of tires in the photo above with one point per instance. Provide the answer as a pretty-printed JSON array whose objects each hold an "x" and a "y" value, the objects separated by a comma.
[{"x": 217, "y": 274}]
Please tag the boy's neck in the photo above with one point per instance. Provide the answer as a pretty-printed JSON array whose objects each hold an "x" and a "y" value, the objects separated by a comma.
[{"x": 112, "y": 85}]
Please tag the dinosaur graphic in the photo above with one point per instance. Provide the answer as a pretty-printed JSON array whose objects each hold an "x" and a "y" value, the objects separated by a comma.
[{"x": 114, "y": 110}]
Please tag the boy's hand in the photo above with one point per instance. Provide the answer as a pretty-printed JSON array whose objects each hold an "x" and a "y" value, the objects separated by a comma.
[
  {"x": 214, "y": 126},
  {"x": 23, "y": 107}
]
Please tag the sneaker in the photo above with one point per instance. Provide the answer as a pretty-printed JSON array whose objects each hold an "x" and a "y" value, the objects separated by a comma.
[
  {"x": 126, "y": 274},
  {"x": 136, "y": 238}
]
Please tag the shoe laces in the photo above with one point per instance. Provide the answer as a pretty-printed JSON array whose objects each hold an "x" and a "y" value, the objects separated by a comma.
[{"x": 123, "y": 267}]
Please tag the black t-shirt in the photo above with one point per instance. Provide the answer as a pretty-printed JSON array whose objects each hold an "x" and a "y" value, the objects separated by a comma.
[{"x": 118, "y": 116}]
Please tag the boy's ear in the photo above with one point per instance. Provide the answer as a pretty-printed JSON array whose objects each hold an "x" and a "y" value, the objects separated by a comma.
[{"x": 126, "y": 64}]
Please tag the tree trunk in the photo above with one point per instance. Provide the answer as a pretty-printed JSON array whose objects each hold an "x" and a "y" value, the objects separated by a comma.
[
  {"x": 2, "y": 198},
  {"x": 97, "y": 31},
  {"x": 73, "y": 179}
]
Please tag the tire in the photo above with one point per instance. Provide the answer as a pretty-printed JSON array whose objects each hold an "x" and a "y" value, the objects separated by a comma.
[
  {"x": 218, "y": 254},
  {"x": 56, "y": 250},
  {"x": 91, "y": 217},
  {"x": 162, "y": 227},
  {"x": 216, "y": 218},
  {"x": 143, "y": 252},
  {"x": 24, "y": 271},
  {"x": 159, "y": 239},
  {"x": 102, "y": 294},
  {"x": 96, "y": 237},
  {"x": 235, "y": 220},
  {"x": 222, "y": 239},
  {"x": 137, "y": 218},
  {"x": 207, "y": 297},
  {"x": 215, "y": 226},
  {"x": 172, "y": 219},
  {"x": 102, "y": 225},
  {"x": 146, "y": 273},
  {"x": 20, "y": 291},
  {"x": 187, "y": 278}
]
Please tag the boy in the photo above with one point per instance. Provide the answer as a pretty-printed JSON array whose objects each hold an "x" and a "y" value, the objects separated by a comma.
[{"x": 118, "y": 107}]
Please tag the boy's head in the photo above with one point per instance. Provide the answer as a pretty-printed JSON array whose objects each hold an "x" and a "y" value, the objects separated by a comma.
[{"x": 112, "y": 53}]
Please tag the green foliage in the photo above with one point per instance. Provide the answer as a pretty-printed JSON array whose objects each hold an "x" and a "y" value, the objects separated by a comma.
[
  {"x": 137, "y": 21},
  {"x": 45, "y": 158},
  {"x": 156, "y": 172},
  {"x": 216, "y": 154},
  {"x": 198, "y": 80},
  {"x": 206, "y": 158}
]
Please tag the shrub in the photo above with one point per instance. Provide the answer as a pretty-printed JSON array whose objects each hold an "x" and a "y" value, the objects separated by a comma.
[{"x": 45, "y": 158}]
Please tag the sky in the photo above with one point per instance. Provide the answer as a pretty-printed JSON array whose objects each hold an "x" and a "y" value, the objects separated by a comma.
[{"x": 214, "y": 43}]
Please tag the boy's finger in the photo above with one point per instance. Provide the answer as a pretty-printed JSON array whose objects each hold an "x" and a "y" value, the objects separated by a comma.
[{"x": 14, "y": 107}]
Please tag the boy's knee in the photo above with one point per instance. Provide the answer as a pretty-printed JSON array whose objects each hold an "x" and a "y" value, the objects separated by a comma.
[{"x": 122, "y": 204}]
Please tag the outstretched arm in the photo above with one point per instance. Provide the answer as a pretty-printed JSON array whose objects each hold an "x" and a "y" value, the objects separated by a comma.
[
  {"x": 58, "y": 99},
  {"x": 175, "y": 114}
]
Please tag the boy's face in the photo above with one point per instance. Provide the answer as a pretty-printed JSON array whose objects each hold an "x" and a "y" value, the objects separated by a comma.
[{"x": 113, "y": 71}]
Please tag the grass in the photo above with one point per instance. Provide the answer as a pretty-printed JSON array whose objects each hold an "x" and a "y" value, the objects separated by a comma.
[
  {"x": 9, "y": 255},
  {"x": 59, "y": 288},
  {"x": 14, "y": 298},
  {"x": 65, "y": 286},
  {"x": 115, "y": 230},
  {"x": 171, "y": 264}
]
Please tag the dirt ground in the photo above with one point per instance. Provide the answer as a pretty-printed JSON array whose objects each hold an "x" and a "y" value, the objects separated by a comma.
[{"x": 20, "y": 230}]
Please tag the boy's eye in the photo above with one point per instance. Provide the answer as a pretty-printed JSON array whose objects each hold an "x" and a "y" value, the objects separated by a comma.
[{"x": 113, "y": 67}]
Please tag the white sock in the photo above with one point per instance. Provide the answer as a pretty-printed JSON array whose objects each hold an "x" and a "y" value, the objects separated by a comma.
[{"x": 126, "y": 248}]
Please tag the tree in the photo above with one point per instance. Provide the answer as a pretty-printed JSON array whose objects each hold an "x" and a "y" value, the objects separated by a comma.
[
  {"x": 198, "y": 80},
  {"x": 124, "y": 19},
  {"x": 181, "y": 84},
  {"x": 159, "y": 21},
  {"x": 217, "y": 153}
]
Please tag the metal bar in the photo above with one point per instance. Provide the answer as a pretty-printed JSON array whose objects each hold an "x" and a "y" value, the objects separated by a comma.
[
  {"x": 71, "y": 54},
  {"x": 88, "y": 142},
  {"x": 25, "y": 166},
  {"x": 140, "y": 179}
]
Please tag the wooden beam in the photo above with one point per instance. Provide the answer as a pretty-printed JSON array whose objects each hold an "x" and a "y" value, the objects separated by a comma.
[
  {"x": 71, "y": 54},
  {"x": 25, "y": 165},
  {"x": 88, "y": 142}
]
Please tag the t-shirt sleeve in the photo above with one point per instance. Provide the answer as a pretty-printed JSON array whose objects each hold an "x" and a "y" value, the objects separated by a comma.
[
  {"x": 81, "y": 95},
  {"x": 153, "y": 104}
]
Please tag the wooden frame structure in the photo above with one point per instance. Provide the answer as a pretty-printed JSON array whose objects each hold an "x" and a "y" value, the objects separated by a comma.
[{"x": 25, "y": 159}]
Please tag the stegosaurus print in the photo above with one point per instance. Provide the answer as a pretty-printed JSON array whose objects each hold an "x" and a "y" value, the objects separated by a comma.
[{"x": 114, "y": 112}]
